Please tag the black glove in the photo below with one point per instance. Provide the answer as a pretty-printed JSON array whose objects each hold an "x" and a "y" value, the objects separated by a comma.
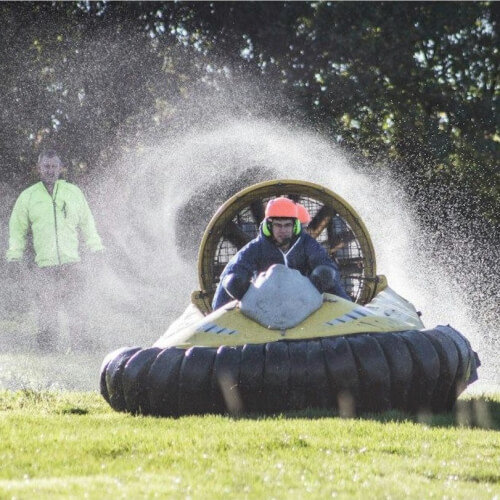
[
  {"x": 236, "y": 285},
  {"x": 323, "y": 278}
]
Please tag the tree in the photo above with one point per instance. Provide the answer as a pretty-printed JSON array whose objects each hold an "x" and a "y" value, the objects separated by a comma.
[{"x": 410, "y": 85}]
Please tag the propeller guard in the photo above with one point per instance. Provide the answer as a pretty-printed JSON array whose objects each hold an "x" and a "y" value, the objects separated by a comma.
[{"x": 334, "y": 224}]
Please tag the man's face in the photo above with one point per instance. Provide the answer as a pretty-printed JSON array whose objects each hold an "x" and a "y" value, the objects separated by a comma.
[
  {"x": 49, "y": 169},
  {"x": 282, "y": 230}
]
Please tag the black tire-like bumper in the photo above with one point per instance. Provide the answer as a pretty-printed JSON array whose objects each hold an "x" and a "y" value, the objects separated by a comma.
[{"x": 372, "y": 372}]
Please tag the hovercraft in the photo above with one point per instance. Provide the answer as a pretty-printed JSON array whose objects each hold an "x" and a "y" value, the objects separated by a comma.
[{"x": 285, "y": 346}]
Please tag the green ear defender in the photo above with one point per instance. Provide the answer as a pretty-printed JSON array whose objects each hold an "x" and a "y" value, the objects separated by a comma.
[
  {"x": 296, "y": 227},
  {"x": 266, "y": 228}
]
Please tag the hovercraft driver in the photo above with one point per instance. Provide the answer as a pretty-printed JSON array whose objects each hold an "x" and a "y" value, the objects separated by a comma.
[{"x": 281, "y": 240}]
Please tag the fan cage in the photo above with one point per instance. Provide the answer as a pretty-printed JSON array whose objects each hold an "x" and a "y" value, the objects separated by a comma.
[{"x": 335, "y": 225}]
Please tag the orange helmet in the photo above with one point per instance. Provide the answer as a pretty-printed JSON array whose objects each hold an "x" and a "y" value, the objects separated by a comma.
[
  {"x": 303, "y": 214},
  {"x": 281, "y": 207}
]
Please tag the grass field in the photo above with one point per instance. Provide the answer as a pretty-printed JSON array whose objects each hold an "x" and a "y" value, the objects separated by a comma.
[{"x": 72, "y": 445}]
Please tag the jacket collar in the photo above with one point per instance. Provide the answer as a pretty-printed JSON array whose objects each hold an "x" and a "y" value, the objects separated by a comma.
[
  {"x": 270, "y": 240},
  {"x": 57, "y": 184}
]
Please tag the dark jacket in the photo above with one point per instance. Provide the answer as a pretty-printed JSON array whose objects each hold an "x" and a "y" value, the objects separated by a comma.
[{"x": 305, "y": 254}]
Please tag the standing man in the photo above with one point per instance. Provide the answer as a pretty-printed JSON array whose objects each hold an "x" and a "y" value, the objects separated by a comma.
[
  {"x": 53, "y": 210},
  {"x": 281, "y": 241}
]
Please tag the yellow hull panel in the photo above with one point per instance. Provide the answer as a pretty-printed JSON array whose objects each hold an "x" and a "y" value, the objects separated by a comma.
[{"x": 228, "y": 326}]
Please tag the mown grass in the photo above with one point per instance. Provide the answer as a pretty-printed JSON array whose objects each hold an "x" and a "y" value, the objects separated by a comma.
[{"x": 72, "y": 445}]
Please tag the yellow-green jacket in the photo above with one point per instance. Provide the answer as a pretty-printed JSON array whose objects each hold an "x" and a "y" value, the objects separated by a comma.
[{"x": 54, "y": 221}]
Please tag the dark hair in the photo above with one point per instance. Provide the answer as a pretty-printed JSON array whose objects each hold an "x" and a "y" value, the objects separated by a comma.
[{"x": 48, "y": 153}]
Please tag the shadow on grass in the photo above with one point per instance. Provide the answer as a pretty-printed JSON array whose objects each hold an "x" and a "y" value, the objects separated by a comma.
[
  {"x": 478, "y": 412},
  {"x": 481, "y": 412}
]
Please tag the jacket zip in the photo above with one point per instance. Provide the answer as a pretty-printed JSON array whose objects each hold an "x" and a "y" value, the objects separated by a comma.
[
  {"x": 55, "y": 223},
  {"x": 289, "y": 250}
]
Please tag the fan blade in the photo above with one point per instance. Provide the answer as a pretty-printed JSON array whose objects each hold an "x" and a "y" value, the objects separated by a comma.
[
  {"x": 344, "y": 237},
  {"x": 235, "y": 235},
  {"x": 257, "y": 210},
  {"x": 351, "y": 266},
  {"x": 320, "y": 221}
]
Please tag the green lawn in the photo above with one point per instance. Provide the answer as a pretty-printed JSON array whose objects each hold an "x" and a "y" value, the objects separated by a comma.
[{"x": 72, "y": 445}]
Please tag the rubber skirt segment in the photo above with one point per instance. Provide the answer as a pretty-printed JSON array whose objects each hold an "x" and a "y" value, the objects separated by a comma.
[
  {"x": 252, "y": 377},
  {"x": 400, "y": 365},
  {"x": 443, "y": 398},
  {"x": 298, "y": 388},
  {"x": 194, "y": 381},
  {"x": 163, "y": 382},
  {"x": 225, "y": 387},
  {"x": 104, "y": 369},
  {"x": 411, "y": 371},
  {"x": 342, "y": 375},
  {"x": 135, "y": 380},
  {"x": 276, "y": 377},
  {"x": 466, "y": 360},
  {"x": 425, "y": 373},
  {"x": 318, "y": 389},
  {"x": 374, "y": 374},
  {"x": 114, "y": 378}
]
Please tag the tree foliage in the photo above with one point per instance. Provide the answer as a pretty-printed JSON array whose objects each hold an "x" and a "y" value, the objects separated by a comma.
[{"x": 413, "y": 86}]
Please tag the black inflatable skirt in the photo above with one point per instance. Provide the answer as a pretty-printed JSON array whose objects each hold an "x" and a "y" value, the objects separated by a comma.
[{"x": 410, "y": 371}]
